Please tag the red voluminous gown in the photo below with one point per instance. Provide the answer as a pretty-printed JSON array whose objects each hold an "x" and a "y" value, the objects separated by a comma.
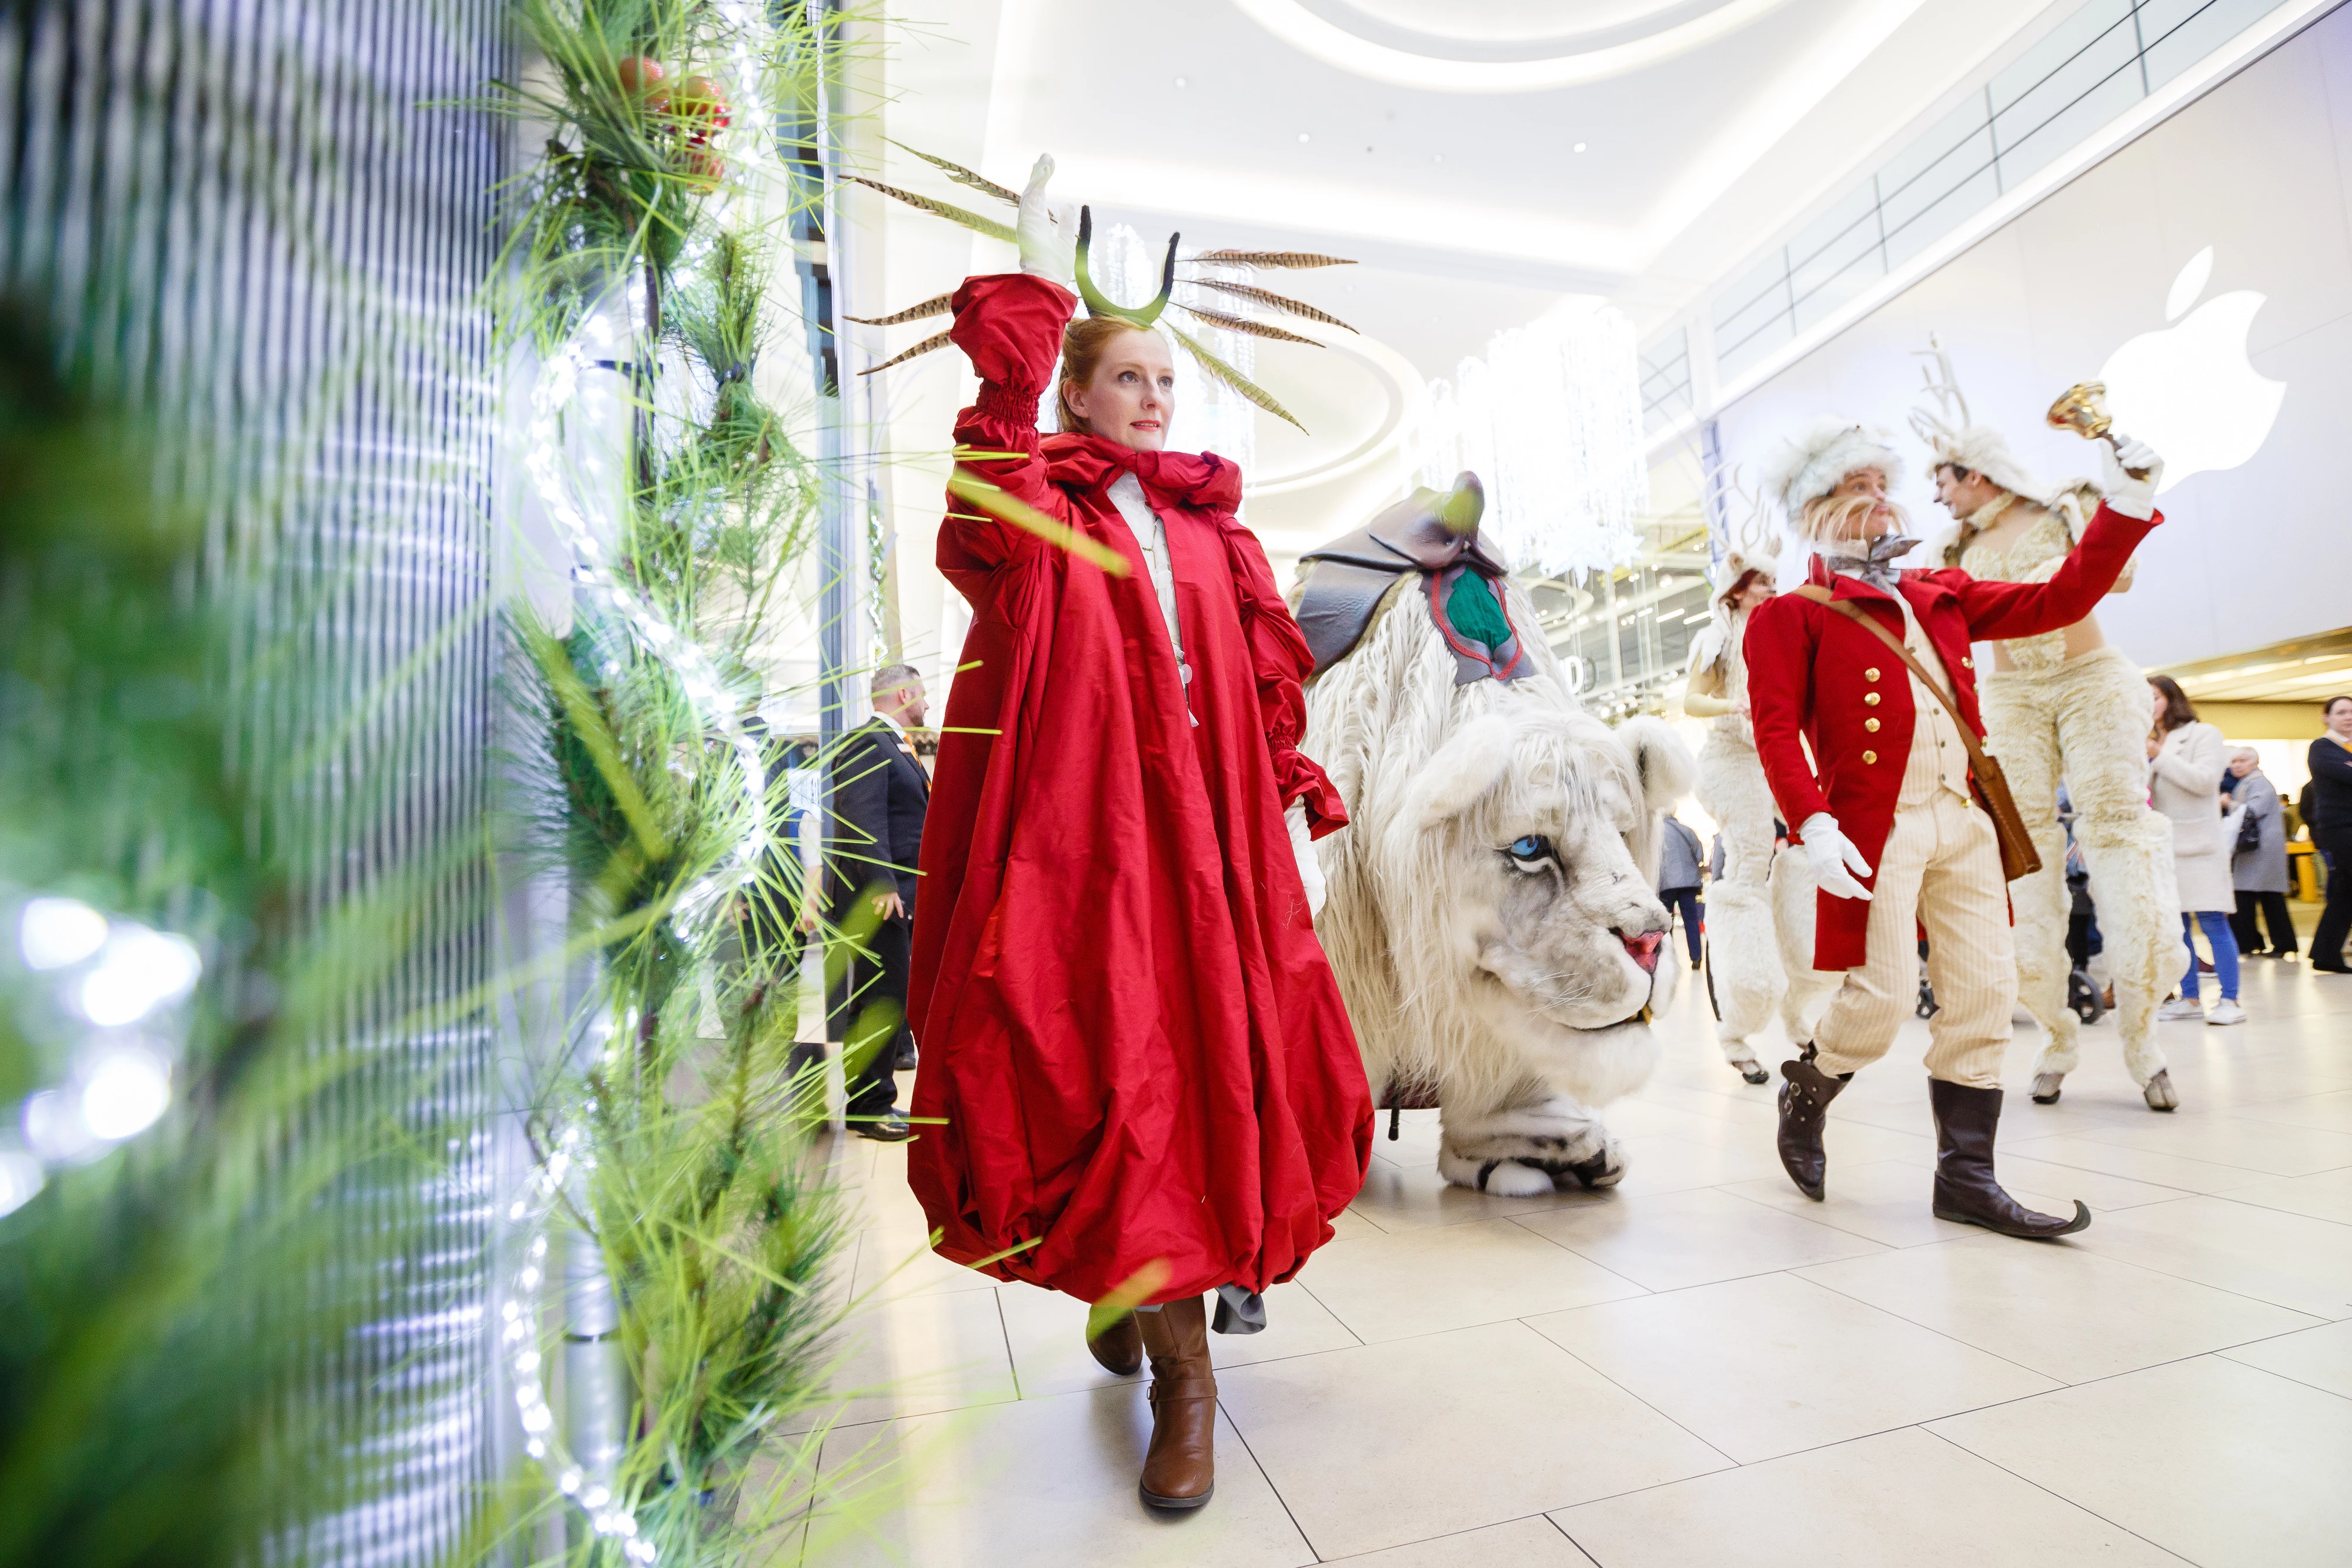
[{"x": 1128, "y": 1028}]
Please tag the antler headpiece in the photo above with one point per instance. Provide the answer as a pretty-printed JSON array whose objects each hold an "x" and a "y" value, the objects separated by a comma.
[
  {"x": 1097, "y": 304},
  {"x": 1955, "y": 440}
]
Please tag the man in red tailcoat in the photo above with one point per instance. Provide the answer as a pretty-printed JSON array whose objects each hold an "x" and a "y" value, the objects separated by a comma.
[{"x": 1888, "y": 809}]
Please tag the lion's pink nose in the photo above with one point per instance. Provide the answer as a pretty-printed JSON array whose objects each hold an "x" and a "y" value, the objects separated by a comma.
[{"x": 1644, "y": 948}]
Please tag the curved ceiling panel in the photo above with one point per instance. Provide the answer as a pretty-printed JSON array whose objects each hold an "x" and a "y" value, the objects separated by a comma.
[
  {"x": 1358, "y": 398},
  {"x": 1512, "y": 48},
  {"x": 1505, "y": 29}
]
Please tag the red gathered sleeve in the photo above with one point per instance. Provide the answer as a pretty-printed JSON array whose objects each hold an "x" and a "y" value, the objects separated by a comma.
[
  {"x": 1280, "y": 661},
  {"x": 1998, "y": 612},
  {"x": 1010, "y": 325},
  {"x": 1780, "y": 647}
]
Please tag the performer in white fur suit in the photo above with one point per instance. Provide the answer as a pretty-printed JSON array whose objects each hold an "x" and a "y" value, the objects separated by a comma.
[
  {"x": 1759, "y": 911},
  {"x": 2063, "y": 706}
]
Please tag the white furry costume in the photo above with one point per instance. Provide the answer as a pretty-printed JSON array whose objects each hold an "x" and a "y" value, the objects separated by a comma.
[
  {"x": 1518, "y": 1010},
  {"x": 2083, "y": 721},
  {"x": 1760, "y": 912}
]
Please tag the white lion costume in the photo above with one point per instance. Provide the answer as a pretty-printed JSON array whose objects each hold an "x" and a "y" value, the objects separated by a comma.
[
  {"x": 1490, "y": 915},
  {"x": 1759, "y": 911},
  {"x": 2083, "y": 721}
]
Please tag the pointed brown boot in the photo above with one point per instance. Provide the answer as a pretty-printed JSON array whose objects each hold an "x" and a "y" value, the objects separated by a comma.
[
  {"x": 1805, "y": 1099},
  {"x": 1965, "y": 1190},
  {"x": 1179, "y": 1466},
  {"x": 1118, "y": 1349}
]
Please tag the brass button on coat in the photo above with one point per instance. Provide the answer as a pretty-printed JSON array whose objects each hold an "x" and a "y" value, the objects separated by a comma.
[
  {"x": 1966, "y": 663},
  {"x": 1871, "y": 724},
  {"x": 1870, "y": 698},
  {"x": 1871, "y": 674},
  {"x": 1870, "y": 757}
]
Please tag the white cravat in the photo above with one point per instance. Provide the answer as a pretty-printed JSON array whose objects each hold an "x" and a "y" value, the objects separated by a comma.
[{"x": 1152, "y": 536}]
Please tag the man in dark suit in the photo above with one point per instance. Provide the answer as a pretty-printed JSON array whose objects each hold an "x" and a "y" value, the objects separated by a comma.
[{"x": 873, "y": 838}]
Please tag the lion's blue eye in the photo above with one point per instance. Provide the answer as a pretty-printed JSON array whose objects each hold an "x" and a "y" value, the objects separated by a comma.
[{"x": 1528, "y": 850}]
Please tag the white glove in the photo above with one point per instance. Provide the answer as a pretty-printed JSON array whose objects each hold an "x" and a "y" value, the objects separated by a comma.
[
  {"x": 1311, "y": 869},
  {"x": 2129, "y": 496},
  {"x": 1047, "y": 231},
  {"x": 1836, "y": 862}
]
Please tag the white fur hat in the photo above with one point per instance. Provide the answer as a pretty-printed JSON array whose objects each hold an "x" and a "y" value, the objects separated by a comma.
[
  {"x": 1748, "y": 552},
  {"x": 1980, "y": 449},
  {"x": 1810, "y": 465}
]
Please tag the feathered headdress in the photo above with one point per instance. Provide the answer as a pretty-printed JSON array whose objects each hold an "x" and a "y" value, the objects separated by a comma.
[
  {"x": 1953, "y": 438},
  {"x": 1810, "y": 465},
  {"x": 1097, "y": 304},
  {"x": 1750, "y": 543}
]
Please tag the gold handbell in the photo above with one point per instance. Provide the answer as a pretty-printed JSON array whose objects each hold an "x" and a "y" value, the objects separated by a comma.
[{"x": 2083, "y": 409}]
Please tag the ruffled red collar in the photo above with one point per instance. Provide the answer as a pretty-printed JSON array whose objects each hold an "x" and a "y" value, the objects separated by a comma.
[{"x": 1088, "y": 462}]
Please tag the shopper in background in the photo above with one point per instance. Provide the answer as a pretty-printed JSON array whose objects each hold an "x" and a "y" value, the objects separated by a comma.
[
  {"x": 2184, "y": 767},
  {"x": 2258, "y": 868},
  {"x": 2329, "y": 814},
  {"x": 1678, "y": 880},
  {"x": 875, "y": 838}
]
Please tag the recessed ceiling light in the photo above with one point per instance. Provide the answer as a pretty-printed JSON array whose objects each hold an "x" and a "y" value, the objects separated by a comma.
[
  {"x": 1437, "y": 157},
  {"x": 1580, "y": 146},
  {"x": 1182, "y": 82},
  {"x": 1302, "y": 136}
]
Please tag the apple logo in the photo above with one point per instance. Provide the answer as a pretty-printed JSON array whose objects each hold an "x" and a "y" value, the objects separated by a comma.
[{"x": 2189, "y": 391}]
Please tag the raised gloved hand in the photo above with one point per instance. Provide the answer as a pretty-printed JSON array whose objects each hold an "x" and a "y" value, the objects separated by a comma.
[
  {"x": 1311, "y": 869},
  {"x": 2133, "y": 498},
  {"x": 1047, "y": 231},
  {"x": 1835, "y": 862}
]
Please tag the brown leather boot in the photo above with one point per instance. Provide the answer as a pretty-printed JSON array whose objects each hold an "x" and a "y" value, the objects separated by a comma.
[
  {"x": 1179, "y": 1466},
  {"x": 1804, "y": 1104},
  {"x": 1118, "y": 1349},
  {"x": 1966, "y": 1192}
]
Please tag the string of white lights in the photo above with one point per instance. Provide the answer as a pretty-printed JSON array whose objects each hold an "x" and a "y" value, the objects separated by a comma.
[
  {"x": 1551, "y": 420},
  {"x": 607, "y": 1514},
  {"x": 555, "y": 392}
]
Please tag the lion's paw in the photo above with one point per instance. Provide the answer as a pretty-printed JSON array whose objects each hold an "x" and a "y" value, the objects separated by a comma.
[
  {"x": 1498, "y": 1178},
  {"x": 1606, "y": 1169}
]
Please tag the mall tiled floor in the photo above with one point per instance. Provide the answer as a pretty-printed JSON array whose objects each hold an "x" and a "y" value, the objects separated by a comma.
[{"x": 1701, "y": 1367}]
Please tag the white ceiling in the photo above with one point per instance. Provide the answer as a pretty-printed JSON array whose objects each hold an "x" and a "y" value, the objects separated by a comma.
[{"x": 1438, "y": 150}]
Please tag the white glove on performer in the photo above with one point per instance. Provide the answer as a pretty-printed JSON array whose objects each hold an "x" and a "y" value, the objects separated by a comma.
[
  {"x": 1047, "y": 231},
  {"x": 2129, "y": 496},
  {"x": 1311, "y": 869},
  {"x": 1836, "y": 862}
]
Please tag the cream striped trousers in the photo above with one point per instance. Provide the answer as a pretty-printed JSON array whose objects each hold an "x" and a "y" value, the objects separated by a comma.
[{"x": 1940, "y": 868}]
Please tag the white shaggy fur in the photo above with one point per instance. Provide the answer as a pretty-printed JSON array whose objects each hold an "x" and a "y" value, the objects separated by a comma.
[
  {"x": 2083, "y": 721},
  {"x": 1760, "y": 912},
  {"x": 1811, "y": 462},
  {"x": 1509, "y": 990}
]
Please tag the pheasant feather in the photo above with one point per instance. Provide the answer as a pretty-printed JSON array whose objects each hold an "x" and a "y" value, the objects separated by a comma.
[
  {"x": 961, "y": 175},
  {"x": 1271, "y": 300},
  {"x": 954, "y": 214},
  {"x": 1266, "y": 258},
  {"x": 1233, "y": 378},
  {"x": 939, "y": 305},
  {"x": 1244, "y": 324},
  {"x": 925, "y": 346}
]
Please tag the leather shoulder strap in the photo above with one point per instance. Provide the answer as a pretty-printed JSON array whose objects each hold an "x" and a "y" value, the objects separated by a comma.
[{"x": 1815, "y": 592}]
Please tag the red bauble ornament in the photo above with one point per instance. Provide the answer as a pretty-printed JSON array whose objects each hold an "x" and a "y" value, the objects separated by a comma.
[
  {"x": 700, "y": 106},
  {"x": 640, "y": 78}
]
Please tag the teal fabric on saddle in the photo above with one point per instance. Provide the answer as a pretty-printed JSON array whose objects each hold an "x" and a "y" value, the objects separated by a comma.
[{"x": 1472, "y": 609}]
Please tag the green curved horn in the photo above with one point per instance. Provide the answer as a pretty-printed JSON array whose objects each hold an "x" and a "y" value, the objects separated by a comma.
[
  {"x": 1461, "y": 509},
  {"x": 1097, "y": 304}
]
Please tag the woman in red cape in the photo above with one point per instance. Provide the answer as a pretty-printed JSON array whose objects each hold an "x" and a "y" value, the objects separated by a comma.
[{"x": 1134, "y": 1056}]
